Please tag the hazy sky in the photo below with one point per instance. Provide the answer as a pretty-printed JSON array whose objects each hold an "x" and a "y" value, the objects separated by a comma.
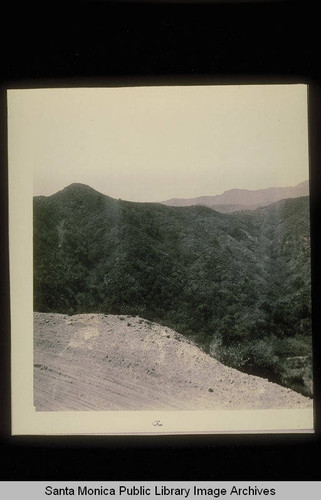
[{"x": 156, "y": 143}]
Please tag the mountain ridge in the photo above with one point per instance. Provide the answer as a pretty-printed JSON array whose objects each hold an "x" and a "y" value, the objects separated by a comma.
[
  {"x": 247, "y": 198},
  {"x": 237, "y": 284},
  {"x": 225, "y": 202}
]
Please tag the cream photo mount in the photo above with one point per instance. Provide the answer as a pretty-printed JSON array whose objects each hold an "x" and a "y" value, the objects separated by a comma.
[{"x": 25, "y": 419}]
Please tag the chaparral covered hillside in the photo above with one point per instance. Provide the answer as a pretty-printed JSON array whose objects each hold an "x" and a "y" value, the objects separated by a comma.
[{"x": 236, "y": 284}]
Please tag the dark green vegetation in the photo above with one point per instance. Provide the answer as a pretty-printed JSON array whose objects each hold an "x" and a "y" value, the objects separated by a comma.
[{"x": 237, "y": 284}]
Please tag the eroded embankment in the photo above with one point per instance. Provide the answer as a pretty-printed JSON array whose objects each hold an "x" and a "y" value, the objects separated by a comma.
[{"x": 100, "y": 362}]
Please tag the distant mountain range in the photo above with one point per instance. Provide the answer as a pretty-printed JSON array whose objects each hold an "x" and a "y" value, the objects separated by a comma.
[
  {"x": 237, "y": 284},
  {"x": 235, "y": 200}
]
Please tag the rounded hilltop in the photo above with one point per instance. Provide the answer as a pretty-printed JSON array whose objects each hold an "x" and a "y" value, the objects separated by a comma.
[{"x": 78, "y": 188}]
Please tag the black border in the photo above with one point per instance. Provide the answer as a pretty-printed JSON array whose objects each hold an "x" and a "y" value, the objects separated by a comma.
[{"x": 169, "y": 43}]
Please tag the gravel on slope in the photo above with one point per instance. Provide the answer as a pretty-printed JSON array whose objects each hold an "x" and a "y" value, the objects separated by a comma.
[{"x": 107, "y": 362}]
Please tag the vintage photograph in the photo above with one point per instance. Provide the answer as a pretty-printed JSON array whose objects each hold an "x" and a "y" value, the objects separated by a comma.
[{"x": 171, "y": 247}]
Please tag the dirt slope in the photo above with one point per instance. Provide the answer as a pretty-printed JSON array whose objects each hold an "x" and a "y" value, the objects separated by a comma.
[{"x": 99, "y": 362}]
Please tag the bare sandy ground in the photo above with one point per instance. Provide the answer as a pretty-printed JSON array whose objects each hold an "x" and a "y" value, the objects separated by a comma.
[{"x": 99, "y": 362}]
